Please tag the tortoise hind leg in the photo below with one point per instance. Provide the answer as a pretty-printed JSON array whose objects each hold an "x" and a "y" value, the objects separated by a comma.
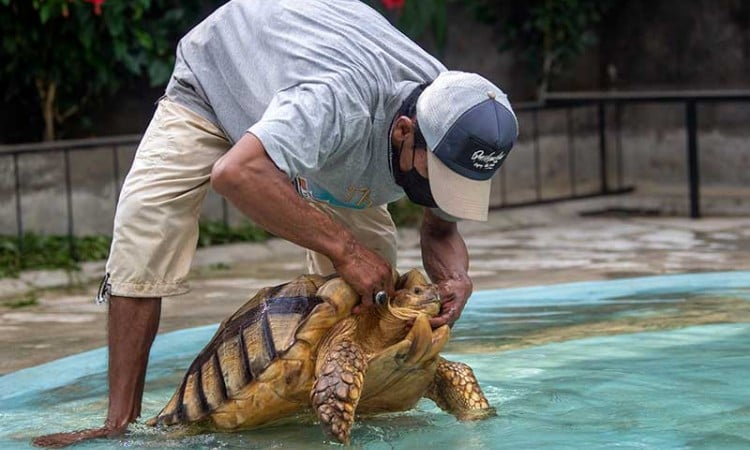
[
  {"x": 456, "y": 390},
  {"x": 338, "y": 387}
]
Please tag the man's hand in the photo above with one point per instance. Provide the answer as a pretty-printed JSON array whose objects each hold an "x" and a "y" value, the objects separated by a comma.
[
  {"x": 248, "y": 177},
  {"x": 446, "y": 260},
  {"x": 453, "y": 297},
  {"x": 366, "y": 271},
  {"x": 59, "y": 440}
]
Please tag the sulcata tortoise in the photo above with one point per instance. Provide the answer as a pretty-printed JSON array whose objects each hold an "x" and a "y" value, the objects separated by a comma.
[{"x": 298, "y": 346}]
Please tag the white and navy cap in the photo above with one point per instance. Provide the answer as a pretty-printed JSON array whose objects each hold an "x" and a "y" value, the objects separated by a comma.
[{"x": 469, "y": 128}]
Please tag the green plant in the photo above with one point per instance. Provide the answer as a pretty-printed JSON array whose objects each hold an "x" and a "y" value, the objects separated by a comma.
[
  {"x": 548, "y": 34},
  {"x": 215, "y": 233},
  {"x": 405, "y": 213},
  {"x": 28, "y": 299},
  {"x": 417, "y": 18},
  {"x": 220, "y": 266},
  {"x": 48, "y": 252},
  {"x": 10, "y": 258},
  {"x": 54, "y": 252},
  {"x": 74, "y": 52}
]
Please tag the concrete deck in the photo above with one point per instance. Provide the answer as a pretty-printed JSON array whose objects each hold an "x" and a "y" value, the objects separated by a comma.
[{"x": 516, "y": 247}]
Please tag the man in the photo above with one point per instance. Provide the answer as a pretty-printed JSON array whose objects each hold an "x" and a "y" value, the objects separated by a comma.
[{"x": 310, "y": 117}]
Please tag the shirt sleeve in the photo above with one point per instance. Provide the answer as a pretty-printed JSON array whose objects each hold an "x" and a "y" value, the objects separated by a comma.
[{"x": 301, "y": 128}]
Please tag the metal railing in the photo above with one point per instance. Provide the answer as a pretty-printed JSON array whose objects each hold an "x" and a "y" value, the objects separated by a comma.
[
  {"x": 15, "y": 152},
  {"x": 529, "y": 116},
  {"x": 530, "y": 130},
  {"x": 689, "y": 99}
]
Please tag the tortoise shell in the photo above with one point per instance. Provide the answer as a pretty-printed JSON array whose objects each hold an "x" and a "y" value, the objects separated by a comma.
[{"x": 246, "y": 345}]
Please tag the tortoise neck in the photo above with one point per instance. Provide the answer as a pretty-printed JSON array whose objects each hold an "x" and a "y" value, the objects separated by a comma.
[{"x": 379, "y": 328}]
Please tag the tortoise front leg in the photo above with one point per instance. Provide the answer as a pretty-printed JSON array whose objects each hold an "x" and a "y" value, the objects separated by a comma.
[
  {"x": 338, "y": 387},
  {"x": 456, "y": 390}
]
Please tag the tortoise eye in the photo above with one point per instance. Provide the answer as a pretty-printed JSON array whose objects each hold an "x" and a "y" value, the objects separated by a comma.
[{"x": 418, "y": 290}]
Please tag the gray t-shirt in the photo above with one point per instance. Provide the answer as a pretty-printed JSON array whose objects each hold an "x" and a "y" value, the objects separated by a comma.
[{"x": 317, "y": 81}]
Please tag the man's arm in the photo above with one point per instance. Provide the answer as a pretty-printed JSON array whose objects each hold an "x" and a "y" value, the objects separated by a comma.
[
  {"x": 446, "y": 260},
  {"x": 249, "y": 179}
]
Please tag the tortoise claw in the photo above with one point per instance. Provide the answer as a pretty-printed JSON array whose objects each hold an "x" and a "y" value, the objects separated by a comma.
[
  {"x": 426, "y": 343},
  {"x": 440, "y": 337},
  {"x": 420, "y": 336}
]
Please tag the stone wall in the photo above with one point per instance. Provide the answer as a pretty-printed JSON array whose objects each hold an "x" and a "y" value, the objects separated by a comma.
[
  {"x": 653, "y": 161},
  {"x": 667, "y": 44},
  {"x": 643, "y": 45}
]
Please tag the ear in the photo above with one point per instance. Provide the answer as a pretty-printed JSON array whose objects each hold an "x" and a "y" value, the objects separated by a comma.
[
  {"x": 402, "y": 128},
  {"x": 412, "y": 278}
]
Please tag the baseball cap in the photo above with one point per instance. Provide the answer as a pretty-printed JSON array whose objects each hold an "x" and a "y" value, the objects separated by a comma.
[{"x": 469, "y": 127}]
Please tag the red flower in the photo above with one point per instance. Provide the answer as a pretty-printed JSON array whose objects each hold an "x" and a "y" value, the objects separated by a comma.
[
  {"x": 393, "y": 4},
  {"x": 97, "y": 5}
]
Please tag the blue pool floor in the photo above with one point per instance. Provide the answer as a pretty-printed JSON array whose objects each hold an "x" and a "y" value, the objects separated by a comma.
[{"x": 664, "y": 365}]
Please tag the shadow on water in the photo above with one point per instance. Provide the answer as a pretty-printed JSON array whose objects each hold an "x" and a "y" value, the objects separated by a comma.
[{"x": 658, "y": 362}]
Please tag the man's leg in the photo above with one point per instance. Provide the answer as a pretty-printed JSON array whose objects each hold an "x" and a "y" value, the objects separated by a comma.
[
  {"x": 133, "y": 323},
  {"x": 132, "y": 327},
  {"x": 153, "y": 244}
]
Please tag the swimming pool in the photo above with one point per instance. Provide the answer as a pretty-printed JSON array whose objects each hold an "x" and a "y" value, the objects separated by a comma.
[{"x": 656, "y": 362}]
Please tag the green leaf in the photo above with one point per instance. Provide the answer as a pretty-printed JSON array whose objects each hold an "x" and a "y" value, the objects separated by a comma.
[
  {"x": 144, "y": 39},
  {"x": 440, "y": 24},
  {"x": 90, "y": 57},
  {"x": 45, "y": 12},
  {"x": 159, "y": 72},
  {"x": 116, "y": 25}
]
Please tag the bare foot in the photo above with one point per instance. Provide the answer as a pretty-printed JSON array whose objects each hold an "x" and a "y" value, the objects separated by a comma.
[{"x": 59, "y": 440}]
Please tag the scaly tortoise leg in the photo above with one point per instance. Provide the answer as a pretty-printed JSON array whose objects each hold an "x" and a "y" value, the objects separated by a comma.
[
  {"x": 456, "y": 391},
  {"x": 337, "y": 389}
]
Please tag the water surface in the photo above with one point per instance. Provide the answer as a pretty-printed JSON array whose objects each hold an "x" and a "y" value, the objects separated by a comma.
[{"x": 657, "y": 362}]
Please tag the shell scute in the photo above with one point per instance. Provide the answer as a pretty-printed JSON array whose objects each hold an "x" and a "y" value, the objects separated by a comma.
[{"x": 234, "y": 368}]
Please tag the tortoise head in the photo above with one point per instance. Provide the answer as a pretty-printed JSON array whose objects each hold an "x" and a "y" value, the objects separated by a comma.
[
  {"x": 423, "y": 298},
  {"x": 415, "y": 294}
]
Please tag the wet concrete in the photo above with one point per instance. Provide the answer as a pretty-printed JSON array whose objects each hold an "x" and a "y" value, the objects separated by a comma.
[{"x": 45, "y": 315}]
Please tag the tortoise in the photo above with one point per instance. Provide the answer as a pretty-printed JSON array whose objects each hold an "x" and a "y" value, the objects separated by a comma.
[{"x": 298, "y": 346}]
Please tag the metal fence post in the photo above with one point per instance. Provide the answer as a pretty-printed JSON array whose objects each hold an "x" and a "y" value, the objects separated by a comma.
[
  {"x": 537, "y": 156},
  {"x": 691, "y": 122},
  {"x": 571, "y": 151},
  {"x": 69, "y": 203},
  {"x": 618, "y": 144},
  {"x": 19, "y": 212},
  {"x": 603, "y": 147}
]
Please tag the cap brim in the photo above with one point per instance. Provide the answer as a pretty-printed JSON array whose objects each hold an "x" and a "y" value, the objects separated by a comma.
[{"x": 457, "y": 195}]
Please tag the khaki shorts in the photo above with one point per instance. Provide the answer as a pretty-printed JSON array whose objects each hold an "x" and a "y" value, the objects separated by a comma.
[
  {"x": 156, "y": 223},
  {"x": 373, "y": 227}
]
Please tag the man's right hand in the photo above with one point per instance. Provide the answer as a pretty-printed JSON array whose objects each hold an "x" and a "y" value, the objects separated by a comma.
[{"x": 366, "y": 271}]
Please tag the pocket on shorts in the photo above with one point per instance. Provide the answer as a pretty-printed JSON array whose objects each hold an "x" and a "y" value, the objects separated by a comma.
[{"x": 156, "y": 139}]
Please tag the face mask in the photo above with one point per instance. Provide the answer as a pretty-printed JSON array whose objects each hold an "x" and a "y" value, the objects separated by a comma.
[{"x": 416, "y": 187}]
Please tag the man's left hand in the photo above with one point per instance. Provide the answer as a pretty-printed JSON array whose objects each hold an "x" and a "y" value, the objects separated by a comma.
[{"x": 453, "y": 296}]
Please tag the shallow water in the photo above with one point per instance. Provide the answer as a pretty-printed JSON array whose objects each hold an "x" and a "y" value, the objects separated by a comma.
[{"x": 658, "y": 362}]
